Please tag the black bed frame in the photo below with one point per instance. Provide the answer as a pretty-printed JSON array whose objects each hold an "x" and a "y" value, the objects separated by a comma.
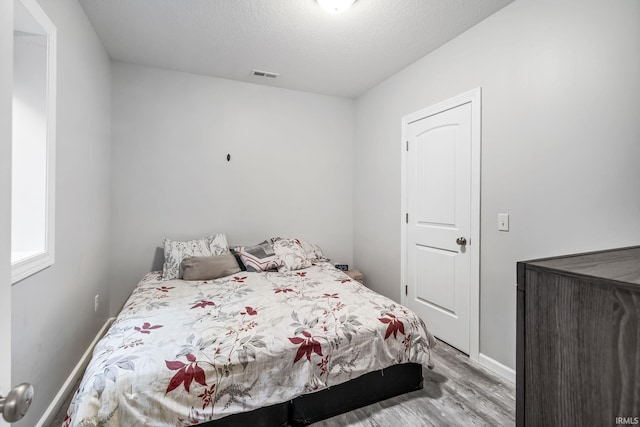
[{"x": 310, "y": 408}]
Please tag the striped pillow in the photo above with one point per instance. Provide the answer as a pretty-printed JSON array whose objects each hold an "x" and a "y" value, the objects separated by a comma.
[{"x": 260, "y": 257}]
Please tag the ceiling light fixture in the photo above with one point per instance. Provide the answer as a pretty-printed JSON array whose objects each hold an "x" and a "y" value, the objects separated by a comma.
[{"x": 335, "y": 6}]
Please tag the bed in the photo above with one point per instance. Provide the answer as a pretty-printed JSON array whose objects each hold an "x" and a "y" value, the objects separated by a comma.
[{"x": 253, "y": 348}]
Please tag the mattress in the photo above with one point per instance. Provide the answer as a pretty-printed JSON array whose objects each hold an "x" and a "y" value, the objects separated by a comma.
[{"x": 184, "y": 353}]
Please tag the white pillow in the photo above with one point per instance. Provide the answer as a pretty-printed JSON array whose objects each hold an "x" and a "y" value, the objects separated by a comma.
[
  {"x": 291, "y": 255},
  {"x": 313, "y": 251},
  {"x": 175, "y": 251}
]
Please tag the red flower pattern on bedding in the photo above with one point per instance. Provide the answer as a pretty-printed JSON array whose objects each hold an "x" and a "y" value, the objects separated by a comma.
[
  {"x": 323, "y": 365},
  {"x": 187, "y": 373},
  {"x": 204, "y": 304},
  {"x": 307, "y": 346},
  {"x": 146, "y": 328},
  {"x": 250, "y": 311},
  {"x": 208, "y": 396},
  {"x": 205, "y": 349},
  {"x": 395, "y": 325}
]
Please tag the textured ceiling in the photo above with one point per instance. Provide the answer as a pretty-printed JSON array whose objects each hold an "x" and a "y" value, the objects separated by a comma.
[{"x": 312, "y": 50}]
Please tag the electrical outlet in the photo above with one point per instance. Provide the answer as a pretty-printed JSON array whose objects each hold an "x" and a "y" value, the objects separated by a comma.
[
  {"x": 342, "y": 267},
  {"x": 96, "y": 303}
]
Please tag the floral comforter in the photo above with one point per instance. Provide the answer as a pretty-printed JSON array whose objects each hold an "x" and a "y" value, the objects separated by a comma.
[{"x": 182, "y": 353}]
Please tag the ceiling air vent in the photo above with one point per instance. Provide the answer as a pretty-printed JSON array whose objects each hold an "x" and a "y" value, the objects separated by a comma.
[{"x": 268, "y": 74}]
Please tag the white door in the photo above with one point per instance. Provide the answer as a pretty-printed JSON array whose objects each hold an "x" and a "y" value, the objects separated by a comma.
[
  {"x": 439, "y": 222},
  {"x": 6, "y": 87}
]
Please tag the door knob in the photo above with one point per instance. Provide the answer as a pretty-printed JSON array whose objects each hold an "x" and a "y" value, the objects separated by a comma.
[
  {"x": 16, "y": 404},
  {"x": 461, "y": 241}
]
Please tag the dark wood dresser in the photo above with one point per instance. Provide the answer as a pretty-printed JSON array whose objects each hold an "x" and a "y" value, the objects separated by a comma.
[{"x": 578, "y": 340}]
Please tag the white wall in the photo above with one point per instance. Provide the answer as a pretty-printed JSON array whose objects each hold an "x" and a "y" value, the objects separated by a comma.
[
  {"x": 53, "y": 317},
  {"x": 560, "y": 144},
  {"x": 6, "y": 89},
  {"x": 290, "y": 172}
]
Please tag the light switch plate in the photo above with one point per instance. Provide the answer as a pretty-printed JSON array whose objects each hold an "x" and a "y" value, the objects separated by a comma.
[{"x": 503, "y": 222}]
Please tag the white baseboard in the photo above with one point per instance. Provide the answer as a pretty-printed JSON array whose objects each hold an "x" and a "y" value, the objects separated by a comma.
[
  {"x": 78, "y": 371},
  {"x": 497, "y": 367}
]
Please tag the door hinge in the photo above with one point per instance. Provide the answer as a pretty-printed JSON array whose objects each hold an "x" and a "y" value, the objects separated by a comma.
[
  {"x": 406, "y": 218},
  {"x": 407, "y": 145},
  {"x": 406, "y": 290}
]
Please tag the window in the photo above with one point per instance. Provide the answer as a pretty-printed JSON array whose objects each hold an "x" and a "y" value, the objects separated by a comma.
[{"x": 33, "y": 141}]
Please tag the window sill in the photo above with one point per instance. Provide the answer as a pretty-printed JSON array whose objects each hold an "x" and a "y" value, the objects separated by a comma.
[{"x": 30, "y": 265}]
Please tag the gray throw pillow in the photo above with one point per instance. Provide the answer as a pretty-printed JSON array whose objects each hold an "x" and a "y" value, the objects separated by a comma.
[{"x": 209, "y": 267}]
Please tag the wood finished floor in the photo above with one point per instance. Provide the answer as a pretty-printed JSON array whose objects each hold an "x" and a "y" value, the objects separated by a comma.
[{"x": 457, "y": 392}]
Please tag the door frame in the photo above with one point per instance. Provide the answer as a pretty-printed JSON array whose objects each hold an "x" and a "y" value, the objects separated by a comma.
[
  {"x": 474, "y": 97},
  {"x": 6, "y": 89}
]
